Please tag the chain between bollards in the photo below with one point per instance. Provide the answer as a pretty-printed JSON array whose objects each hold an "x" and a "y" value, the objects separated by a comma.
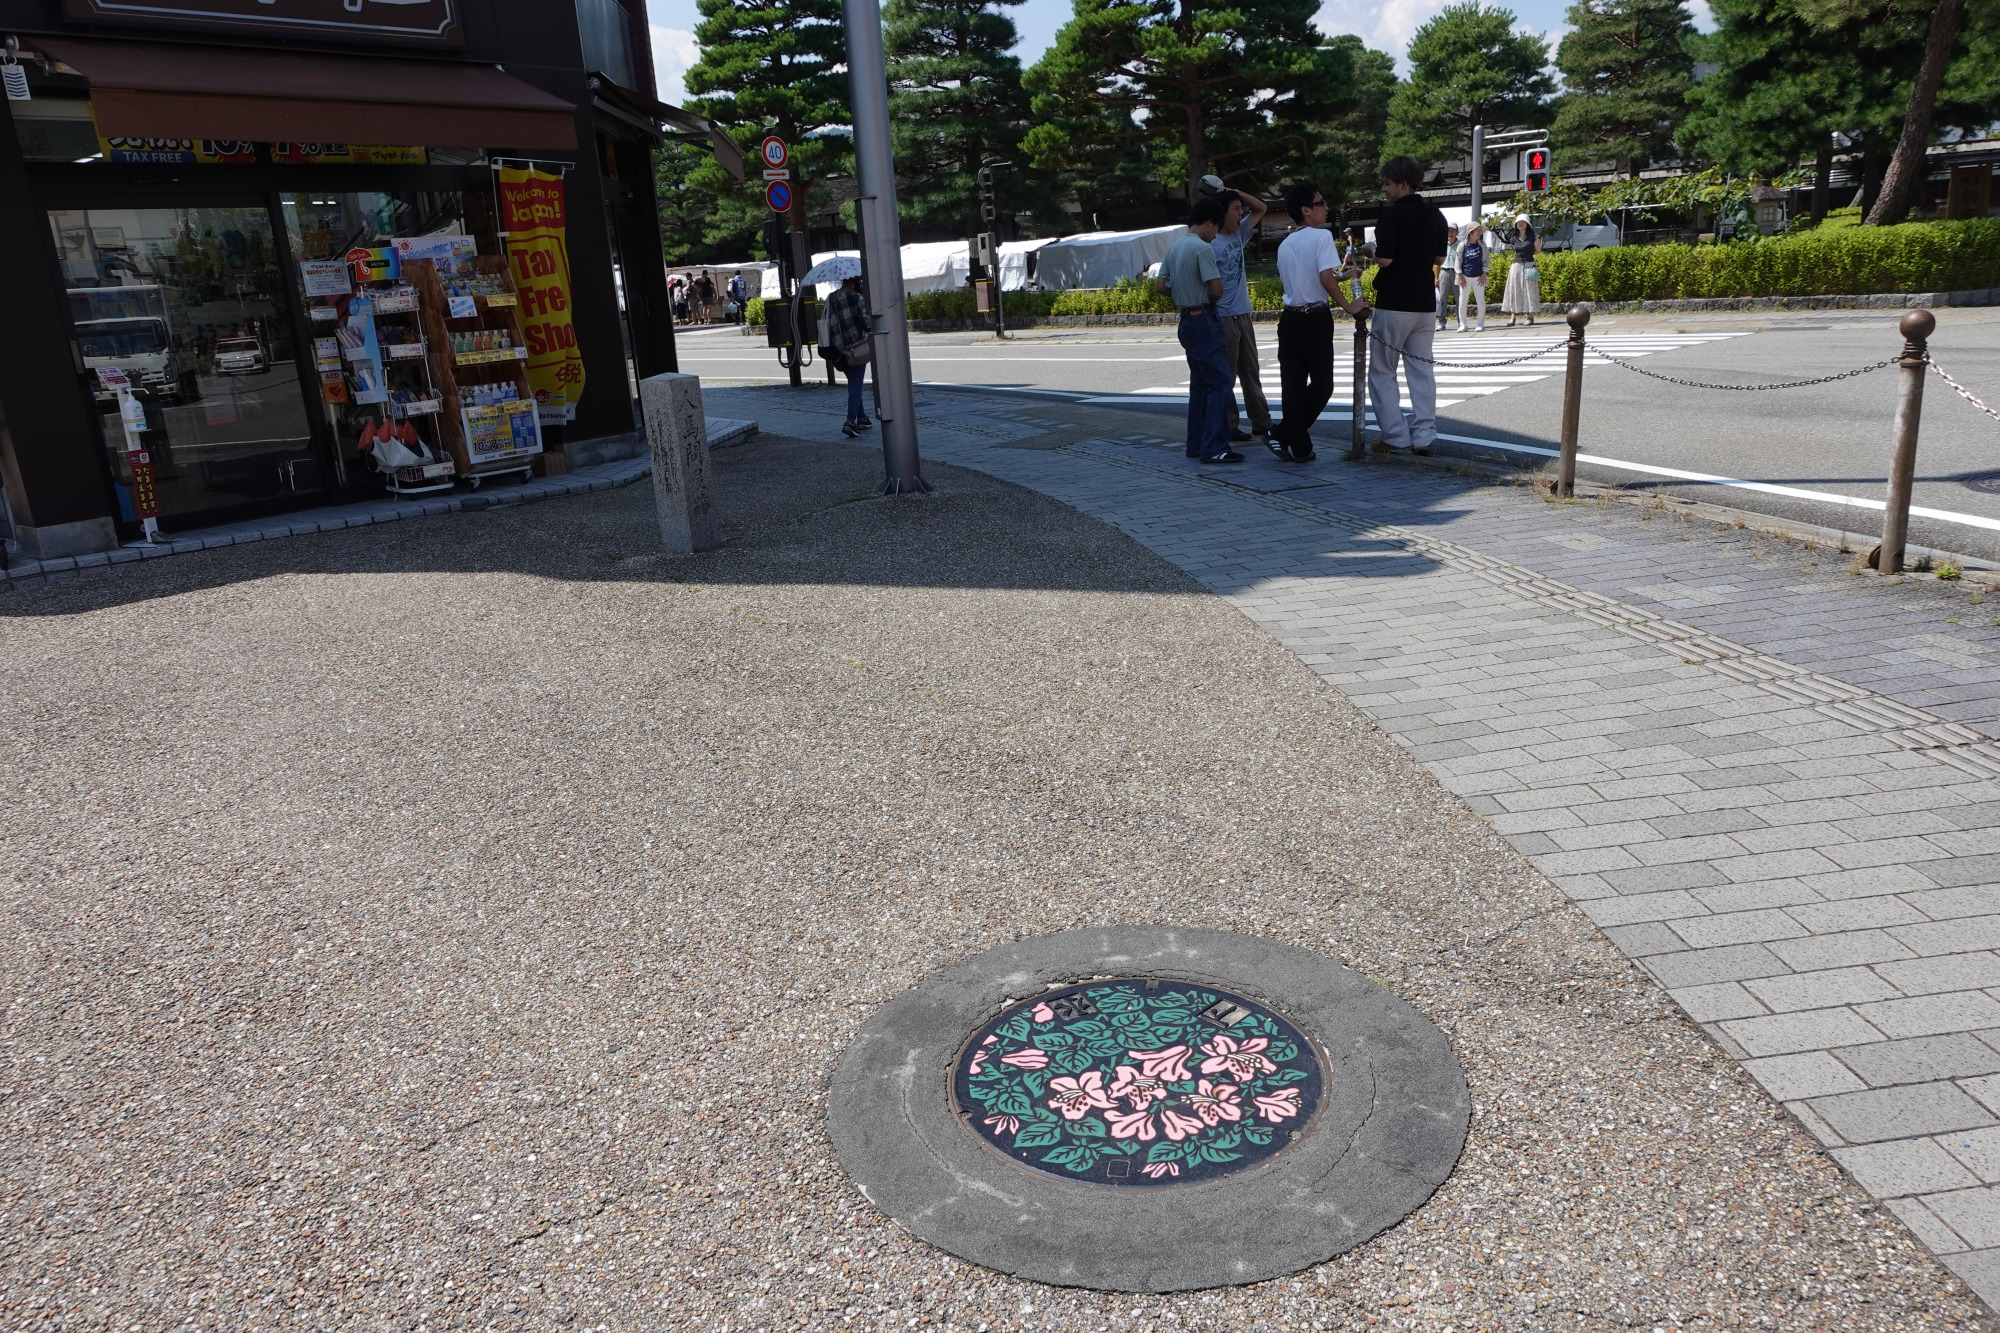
[
  {"x": 1916, "y": 328},
  {"x": 1579, "y": 319},
  {"x": 1359, "y": 447}
]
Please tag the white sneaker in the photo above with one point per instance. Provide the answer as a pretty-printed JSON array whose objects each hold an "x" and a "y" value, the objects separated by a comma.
[{"x": 1461, "y": 328}]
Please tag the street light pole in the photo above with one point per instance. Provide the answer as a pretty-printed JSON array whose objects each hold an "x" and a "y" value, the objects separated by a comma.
[
  {"x": 875, "y": 166},
  {"x": 1478, "y": 172}
]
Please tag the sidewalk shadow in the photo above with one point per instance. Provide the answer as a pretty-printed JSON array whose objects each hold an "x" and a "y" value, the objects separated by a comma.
[{"x": 792, "y": 512}]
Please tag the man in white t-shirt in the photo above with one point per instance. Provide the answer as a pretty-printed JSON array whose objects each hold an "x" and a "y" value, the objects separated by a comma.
[{"x": 1309, "y": 266}]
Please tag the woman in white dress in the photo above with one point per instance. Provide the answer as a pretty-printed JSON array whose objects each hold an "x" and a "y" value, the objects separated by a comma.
[{"x": 1524, "y": 280}]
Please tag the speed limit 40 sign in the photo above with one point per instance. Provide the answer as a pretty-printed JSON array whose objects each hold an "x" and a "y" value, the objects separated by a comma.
[{"x": 774, "y": 151}]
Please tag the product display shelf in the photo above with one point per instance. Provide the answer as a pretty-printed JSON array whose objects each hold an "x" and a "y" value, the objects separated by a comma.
[{"x": 456, "y": 368}]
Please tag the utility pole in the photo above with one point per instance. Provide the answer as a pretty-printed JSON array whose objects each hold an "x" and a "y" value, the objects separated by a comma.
[{"x": 868, "y": 84}]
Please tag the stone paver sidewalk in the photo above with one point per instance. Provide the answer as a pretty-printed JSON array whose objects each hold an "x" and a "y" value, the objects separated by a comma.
[{"x": 1770, "y": 782}]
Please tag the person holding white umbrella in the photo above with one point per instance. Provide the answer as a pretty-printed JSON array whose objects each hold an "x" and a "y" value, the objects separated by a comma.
[{"x": 846, "y": 340}]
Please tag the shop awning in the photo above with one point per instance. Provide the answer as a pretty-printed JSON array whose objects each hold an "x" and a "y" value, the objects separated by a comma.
[
  {"x": 650, "y": 115},
  {"x": 164, "y": 91}
]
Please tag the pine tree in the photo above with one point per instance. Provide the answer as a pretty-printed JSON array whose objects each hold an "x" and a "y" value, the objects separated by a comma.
[
  {"x": 1467, "y": 67},
  {"x": 1626, "y": 71},
  {"x": 955, "y": 100},
  {"x": 1793, "y": 73},
  {"x": 1351, "y": 143},
  {"x": 1195, "y": 85},
  {"x": 769, "y": 67},
  {"x": 684, "y": 210}
]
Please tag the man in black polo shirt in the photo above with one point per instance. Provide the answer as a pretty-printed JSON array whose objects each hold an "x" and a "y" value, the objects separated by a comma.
[{"x": 1410, "y": 248}]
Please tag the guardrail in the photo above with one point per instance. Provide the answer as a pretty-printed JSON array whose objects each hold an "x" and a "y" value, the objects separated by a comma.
[{"x": 1915, "y": 357}]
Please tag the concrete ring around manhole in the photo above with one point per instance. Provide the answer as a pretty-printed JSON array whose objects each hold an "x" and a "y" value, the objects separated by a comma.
[{"x": 1149, "y": 1109}]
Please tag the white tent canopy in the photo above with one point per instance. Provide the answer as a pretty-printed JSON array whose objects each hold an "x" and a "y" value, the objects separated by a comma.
[
  {"x": 1101, "y": 258},
  {"x": 1014, "y": 263},
  {"x": 931, "y": 267},
  {"x": 1092, "y": 260}
]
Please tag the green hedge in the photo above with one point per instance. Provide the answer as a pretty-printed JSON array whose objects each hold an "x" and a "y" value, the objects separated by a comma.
[
  {"x": 1858, "y": 261},
  {"x": 1827, "y": 261},
  {"x": 960, "y": 303}
]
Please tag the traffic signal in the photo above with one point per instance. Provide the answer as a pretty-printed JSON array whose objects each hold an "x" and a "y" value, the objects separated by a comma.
[
  {"x": 987, "y": 212},
  {"x": 774, "y": 239},
  {"x": 1537, "y": 170}
]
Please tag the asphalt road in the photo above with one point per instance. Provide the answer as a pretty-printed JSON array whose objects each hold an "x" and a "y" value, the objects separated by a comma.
[{"x": 1812, "y": 455}]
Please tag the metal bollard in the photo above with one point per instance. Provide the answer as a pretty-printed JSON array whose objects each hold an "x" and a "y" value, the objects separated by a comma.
[
  {"x": 1579, "y": 317},
  {"x": 1359, "y": 448},
  {"x": 1916, "y": 328}
]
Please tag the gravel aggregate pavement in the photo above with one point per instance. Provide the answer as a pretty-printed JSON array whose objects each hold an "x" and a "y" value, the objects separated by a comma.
[{"x": 454, "y": 925}]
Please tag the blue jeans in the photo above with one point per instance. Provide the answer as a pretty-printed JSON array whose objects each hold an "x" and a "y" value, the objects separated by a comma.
[
  {"x": 1210, "y": 401},
  {"x": 856, "y": 410}
]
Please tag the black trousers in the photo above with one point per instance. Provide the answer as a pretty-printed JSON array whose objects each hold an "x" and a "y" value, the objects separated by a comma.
[{"x": 1305, "y": 372}]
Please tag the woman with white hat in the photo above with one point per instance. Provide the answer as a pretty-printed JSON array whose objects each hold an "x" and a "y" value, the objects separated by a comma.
[
  {"x": 1524, "y": 280},
  {"x": 1472, "y": 274}
]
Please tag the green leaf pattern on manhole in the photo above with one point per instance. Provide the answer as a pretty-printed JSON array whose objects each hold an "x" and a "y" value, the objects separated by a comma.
[{"x": 1117, "y": 1084}]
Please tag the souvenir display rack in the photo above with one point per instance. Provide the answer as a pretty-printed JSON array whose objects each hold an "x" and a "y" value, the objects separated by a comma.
[
  {"x": 478, "y": 358},
  {"x": 371, "y": 353}
]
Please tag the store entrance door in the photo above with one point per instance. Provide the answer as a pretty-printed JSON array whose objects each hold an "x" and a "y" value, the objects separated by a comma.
[{"x": 192, "y": 304}]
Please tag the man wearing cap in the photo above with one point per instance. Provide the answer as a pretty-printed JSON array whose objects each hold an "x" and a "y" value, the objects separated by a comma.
[{"x": 1190, "y": 275}]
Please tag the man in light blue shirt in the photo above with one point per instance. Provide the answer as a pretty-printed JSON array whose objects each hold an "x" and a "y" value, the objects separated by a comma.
[
  {"x": 1190, "y": 275},
  {"x": 1241, "y": 216}
]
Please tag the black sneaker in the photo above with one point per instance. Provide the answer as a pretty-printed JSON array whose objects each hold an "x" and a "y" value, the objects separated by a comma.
[
  {"x": 1230, "y": 457},
  {"x": 864, "y": 424},
  {"x": 1239, "y": 437},
  {"x": 1280, "y": 449}
]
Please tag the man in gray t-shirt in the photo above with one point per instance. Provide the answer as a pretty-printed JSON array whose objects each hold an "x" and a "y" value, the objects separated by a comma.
[
  {"x": 1191, "y": 277},
  {"x": 1239, "y": 224}
]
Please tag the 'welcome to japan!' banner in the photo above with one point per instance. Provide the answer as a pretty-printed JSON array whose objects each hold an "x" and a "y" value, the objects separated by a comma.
[{"x": 531, "y": 211}]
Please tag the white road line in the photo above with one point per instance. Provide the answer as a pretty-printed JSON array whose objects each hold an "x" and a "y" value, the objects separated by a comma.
[{"x": 1768, "y": 488}]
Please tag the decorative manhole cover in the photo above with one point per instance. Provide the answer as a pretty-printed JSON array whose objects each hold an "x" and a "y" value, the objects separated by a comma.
[
  {"x": 1987, "y": 482},
  {"x": 1138, "y": 1082},
  {"x": 1144, "y": 1108}
]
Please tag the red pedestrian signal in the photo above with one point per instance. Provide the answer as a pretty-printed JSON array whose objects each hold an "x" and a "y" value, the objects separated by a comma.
[{"x": 1537, "y": 170}]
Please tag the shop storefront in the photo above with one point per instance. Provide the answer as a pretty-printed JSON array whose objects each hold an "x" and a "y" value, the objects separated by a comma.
[{"x": 284, "y": 253}]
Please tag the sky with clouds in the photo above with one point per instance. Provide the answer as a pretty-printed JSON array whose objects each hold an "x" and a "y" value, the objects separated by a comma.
[{"x": 1385, "y": 25}]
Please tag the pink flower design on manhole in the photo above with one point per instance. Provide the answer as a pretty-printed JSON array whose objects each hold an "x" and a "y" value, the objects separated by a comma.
[{"x": 1139, "y": 1082}]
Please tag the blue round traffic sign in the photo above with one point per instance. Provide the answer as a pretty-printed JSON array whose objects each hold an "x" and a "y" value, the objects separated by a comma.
[{"x": 778, "y": 194}]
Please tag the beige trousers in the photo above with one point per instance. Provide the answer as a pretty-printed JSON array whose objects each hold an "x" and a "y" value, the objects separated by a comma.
[{"x": 1240, "y": 336}]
